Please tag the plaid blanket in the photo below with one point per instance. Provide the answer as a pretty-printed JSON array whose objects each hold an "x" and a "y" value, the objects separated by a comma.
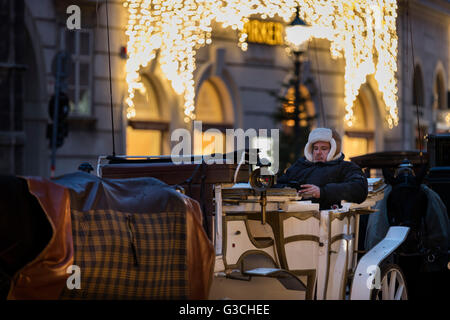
[
  {"x": 129, "y": 256},
  {"x": 130, "y": 240}
]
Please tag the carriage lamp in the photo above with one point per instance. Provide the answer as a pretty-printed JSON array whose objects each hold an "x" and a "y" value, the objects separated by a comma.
[
  {"x": 298, "y": 34},
  {"x": 260, "y": 182}
]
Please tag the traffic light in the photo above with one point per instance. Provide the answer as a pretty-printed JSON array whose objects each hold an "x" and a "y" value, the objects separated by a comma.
[{"x": 62, "y": 125}]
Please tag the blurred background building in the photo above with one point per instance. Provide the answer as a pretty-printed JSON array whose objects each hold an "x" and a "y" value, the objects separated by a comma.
[{"x": 234, "y": 88}]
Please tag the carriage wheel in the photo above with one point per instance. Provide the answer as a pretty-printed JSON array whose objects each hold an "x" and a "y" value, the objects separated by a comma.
[{"x": 393, "y": 284}]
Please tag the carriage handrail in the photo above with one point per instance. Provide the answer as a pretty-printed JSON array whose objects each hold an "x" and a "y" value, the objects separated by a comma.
[{"x": 368, "y": 269}]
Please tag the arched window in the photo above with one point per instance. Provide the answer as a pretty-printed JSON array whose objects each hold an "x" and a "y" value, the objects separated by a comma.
[
  {"x": 145, "y": 130},
  {"x": 440, "y": 105},
  {"x": 418, "y": 90},
  {"x": 439, "y": 93},
  {"x": 210, "y": 109},
  {"x": 359, "y": 138}
]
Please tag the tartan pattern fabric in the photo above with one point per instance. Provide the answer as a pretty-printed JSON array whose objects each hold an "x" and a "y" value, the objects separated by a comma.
[{"x": 156, "y": 268}]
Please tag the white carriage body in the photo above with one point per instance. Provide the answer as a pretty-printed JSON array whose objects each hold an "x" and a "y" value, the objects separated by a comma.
[{"x": 319, "y": 247}]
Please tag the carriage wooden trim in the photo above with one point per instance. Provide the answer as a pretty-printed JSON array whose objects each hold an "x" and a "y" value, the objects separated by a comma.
[
  {"x": 257, "y": 244},
  {"x": 310, "y": 282},
  {"x": 253, "y": 240},
  {"x": 275, "y": 220},
  {"x": 256, "y": 215},
  {"x": 362, "y": 211},
  {"x": 342, "y": 215},
  {"x": 342, "y": 236},
  {"x": 302, "y": 237}
]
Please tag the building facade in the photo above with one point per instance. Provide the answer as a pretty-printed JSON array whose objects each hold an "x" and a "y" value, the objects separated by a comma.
[{"x": 234, "y": 88}]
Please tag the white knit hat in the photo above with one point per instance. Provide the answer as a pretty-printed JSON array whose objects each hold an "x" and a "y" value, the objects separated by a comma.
[{"x": 325, "y": 135}]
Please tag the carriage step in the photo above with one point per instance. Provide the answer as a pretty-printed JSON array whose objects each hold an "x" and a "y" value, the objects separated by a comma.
[{"x": 288, "y": 279}]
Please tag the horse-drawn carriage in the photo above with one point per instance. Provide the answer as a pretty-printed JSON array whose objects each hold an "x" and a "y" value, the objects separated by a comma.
[
  {"x": 272, "y": 244},
  {"x": 266, "y": 243}
]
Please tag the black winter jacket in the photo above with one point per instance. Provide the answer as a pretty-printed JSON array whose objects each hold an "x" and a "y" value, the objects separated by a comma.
[{"x": 338, "y": 180}]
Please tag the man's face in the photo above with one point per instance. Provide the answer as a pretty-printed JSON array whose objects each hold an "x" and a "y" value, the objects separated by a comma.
[{"x": 320, "y": 151}]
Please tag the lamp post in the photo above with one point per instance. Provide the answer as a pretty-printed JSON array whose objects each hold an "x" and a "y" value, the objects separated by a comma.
[{"x": 297, "y": 36}]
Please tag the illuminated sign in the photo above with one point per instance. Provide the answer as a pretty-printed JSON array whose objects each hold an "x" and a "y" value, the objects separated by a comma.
[{"x": 266, "y": 32}]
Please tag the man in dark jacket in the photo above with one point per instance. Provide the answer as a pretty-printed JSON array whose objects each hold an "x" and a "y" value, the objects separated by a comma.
[{"x": 322, "y": 173}]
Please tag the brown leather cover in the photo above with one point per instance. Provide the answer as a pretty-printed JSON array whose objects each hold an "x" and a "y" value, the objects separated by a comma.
[
  {"x": 177, "y": 174},
  {"x": 200, "y": 253},
  {"x": 45, "y": 276}
]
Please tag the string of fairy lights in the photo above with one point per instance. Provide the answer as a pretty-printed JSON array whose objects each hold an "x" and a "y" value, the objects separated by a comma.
[{"x": 363, "y": 32}]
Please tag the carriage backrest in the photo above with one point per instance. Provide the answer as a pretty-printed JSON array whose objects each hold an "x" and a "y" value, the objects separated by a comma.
[{"x": 407, "y": 206}]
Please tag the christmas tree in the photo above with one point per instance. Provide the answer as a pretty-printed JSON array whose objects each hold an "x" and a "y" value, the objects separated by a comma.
[{"x": 296, "y": 114}]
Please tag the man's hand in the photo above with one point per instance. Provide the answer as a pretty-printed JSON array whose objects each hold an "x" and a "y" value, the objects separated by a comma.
[{"x": 311, "y": 189}]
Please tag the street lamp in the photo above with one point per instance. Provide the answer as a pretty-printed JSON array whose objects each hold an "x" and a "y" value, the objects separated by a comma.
[{"x": 297, "y": 36}]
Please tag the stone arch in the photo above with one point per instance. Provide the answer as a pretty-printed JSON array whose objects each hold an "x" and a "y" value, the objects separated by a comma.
[
  {"x": 439, "y": 87},
  {"x": 364, "y": 133},
  {"x": 376, "y": 110},
  {"x": 168, "y": 118},
  {"x": 227, "y": 88}
]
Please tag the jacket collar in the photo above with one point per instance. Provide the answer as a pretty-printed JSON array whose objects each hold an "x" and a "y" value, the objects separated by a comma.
[{"x": 308, "y": 163}]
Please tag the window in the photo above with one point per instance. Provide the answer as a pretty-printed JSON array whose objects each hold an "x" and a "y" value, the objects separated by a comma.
[
  {"x": 358, "y": 138},
  {"x": 418, "y": 91},
  {"x": 145, "y": 132},
  {"x": 439, "y": 93},
  {"x": 142, "y": 142},
  {"x": 210, "y": 110},
  {"x": 79, "y": 44},
  {"x": 440, "y": 105}
]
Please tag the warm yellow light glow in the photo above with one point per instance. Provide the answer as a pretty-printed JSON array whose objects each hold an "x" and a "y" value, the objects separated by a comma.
[
  {"x": 298, "y": 36},
  {"x": 267, "y": 32},
  {"x": 363, "y": 32}
]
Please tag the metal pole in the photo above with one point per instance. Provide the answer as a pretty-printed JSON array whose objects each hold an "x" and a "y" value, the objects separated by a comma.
[
  {"x": 110, "y": 83},
  {"x": 297, "y": 64},
  {"x": 55, "y": 114}
]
